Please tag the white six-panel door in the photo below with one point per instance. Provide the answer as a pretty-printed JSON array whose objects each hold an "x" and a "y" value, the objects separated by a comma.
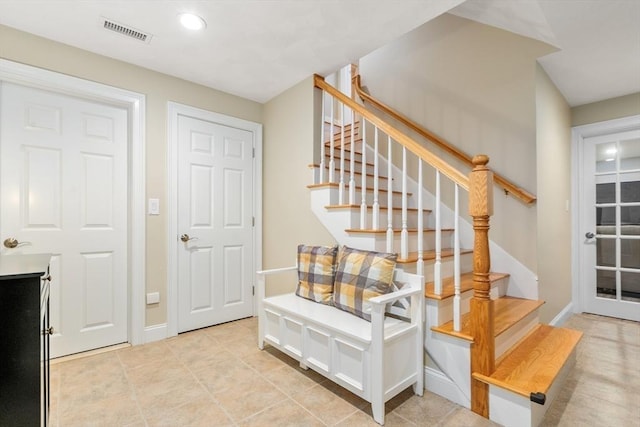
[
  {"x": 215, "y": 205},
  {"x": 63, "y": 190}
]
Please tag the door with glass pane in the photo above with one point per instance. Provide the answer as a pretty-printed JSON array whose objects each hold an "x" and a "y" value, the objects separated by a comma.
[{"x": 611, "y": 225}]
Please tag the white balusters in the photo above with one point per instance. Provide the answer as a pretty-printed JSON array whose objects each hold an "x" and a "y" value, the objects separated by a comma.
[
  {"x": 363, "y": 169},
  {"x": 332, "y": 164},
  {"x": 420, "y": 264},
  {"x": 341, "y": 184},
  {"x": 322, "y": 140},
  {"x": 456, "y": 263},
  {"x": 389, "y": 195},
  {"x": 352, "y": 162},
  {"x": 404, "y": 234},
  {"x": 376, "y": 185},
  {"x": 437, "y": 274}
]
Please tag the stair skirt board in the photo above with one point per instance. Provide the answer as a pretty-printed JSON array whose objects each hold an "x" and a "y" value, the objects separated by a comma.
[
  {"x": 437, "y": 382},
  {"x": 453, "y": 357},
  {"x": 514, "y": 410}
]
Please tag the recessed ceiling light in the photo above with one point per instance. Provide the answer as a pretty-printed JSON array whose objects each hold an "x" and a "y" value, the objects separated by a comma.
[
  {"x": 192, "y": 22},
  {"x": 609, "y": 160},
  {"x": 612, "y": 151}
]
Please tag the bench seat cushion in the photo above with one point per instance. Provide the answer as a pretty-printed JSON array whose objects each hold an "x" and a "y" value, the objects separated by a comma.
[{"x": 331, "y": 317}]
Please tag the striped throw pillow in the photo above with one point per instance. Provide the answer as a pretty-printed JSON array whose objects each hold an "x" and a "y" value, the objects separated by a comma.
[
  {"x": 316, "y": 271},
  {"x": 361, "y": 275}
]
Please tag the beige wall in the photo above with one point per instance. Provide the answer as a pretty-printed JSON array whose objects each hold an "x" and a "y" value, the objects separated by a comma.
[
  {"x": 609, "y": 109},
  {"x": 288, "y": 150},
  {"x": 158, "y": 89},
  {"x": 475, "y": 86},
  {"x": 553, "y": 137}
]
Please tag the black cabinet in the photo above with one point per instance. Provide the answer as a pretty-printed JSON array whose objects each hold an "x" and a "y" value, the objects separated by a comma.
[{"x": 24, "y": 337}]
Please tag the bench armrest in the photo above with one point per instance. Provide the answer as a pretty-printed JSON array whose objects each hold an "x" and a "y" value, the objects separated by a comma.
[
  {"x": 276, "y": 270},
  {"x": 394, "y": 296}
]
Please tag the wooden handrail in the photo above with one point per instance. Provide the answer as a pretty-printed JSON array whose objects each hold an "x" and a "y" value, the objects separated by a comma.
[
  {"x": 508, "y": 186},
  {"x": 398, "y": 136}
]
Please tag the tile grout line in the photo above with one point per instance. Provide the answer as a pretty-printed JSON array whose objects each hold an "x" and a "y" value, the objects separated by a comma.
[
  {"x": 291, "y": 398},
  {"x": 216, "y": 401},
  {"x": 132, "y": 388}
]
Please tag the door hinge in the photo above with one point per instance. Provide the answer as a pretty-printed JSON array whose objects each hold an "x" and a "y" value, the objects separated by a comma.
[
  {"x": 253, "y": 153},
  {"x": 253, "y": 221},
  {"x": 253, "y": 290}
]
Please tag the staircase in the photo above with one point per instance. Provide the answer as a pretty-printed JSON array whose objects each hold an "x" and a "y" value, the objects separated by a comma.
[{"x": 485, "y": 347}]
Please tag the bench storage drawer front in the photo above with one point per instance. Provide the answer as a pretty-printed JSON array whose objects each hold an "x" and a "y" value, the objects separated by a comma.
[
  {"x": 351, "y": 365},
  {"x": 318, "y": 346},
  {"x": 272, "y": 326},
  {"x": 292, "y": 336}
]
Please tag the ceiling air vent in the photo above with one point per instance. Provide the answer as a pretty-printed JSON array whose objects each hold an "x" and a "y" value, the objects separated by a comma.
[{"x": 126, "y": 31}]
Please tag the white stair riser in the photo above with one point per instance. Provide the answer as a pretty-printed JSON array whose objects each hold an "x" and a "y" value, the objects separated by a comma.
[
  {"x": 516, "y": 332},
  {"x": 382, "y": 183},
  {"x": 347, "y": 155},
  {"x": 347, "y": 167},
  {"x": 446, "y": 266},
  {"x": 513, "y": 410},
  {"x": 443, "y": 309},
  {"x": 428, "y": 242},
  {"x": 369, "y": 196},
  {"x": 354, "y": 219}
]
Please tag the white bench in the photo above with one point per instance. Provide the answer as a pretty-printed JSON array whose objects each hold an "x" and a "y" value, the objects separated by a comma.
[{"x": 375, "y": 360}]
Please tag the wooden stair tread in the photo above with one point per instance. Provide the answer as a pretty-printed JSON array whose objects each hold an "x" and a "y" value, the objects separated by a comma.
[
  {"x": 395, "y": 230},
  {"x": 430, "y": 255},
  {"x": 382, "y": 208},
  {"x": 381, "y": 177},
  {"x": 533, "y": 364},
  {"x": 466, "y": 284},
  {"x": 337, "y": 140},
  {"x": 358, "y": 187},
  {"x": 507, "y": 312},
  {"x": 337, "y": 160}
]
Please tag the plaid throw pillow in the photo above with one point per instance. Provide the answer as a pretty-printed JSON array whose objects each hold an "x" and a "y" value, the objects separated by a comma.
[
  {"x": 361, "y": 275},
  {"x": 316, "y": 270}
]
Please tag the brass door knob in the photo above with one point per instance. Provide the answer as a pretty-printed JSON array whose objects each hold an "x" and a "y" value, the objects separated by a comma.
[{"x": 11, "y": 242}]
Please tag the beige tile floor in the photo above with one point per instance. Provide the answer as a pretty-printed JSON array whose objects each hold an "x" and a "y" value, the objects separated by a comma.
[{"x": 218, "y": 377}]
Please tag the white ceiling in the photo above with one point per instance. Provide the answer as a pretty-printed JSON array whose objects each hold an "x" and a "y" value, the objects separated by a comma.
[{"x": 258, "y": 48}]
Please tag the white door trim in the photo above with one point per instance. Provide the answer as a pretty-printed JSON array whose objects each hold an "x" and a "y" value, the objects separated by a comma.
[
  {"x": 579, "y": 134},
  {"x": 27, "y": 75},
  {"x": 173, "y": 111}
]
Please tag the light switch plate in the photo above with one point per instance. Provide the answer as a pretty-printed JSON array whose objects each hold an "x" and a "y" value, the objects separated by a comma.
[
  {"x": 154, "y": 207},
  {"x": 153, "y": 297}
]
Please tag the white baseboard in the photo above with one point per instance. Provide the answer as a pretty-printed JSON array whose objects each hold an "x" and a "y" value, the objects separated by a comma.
[
  {"x": 563, "y": 316},
  {"x": 155, "y": 333},
  {"x": 436, "y": 382}
]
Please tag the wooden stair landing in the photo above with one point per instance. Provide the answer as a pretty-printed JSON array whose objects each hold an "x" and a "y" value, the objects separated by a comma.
[
  {"x": 507, "y": 311},
  {"x": 466, "y": 284},
  {"x": 532, "y": 365}
]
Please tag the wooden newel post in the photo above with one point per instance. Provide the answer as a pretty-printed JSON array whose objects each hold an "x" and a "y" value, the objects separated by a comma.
[{"x": 481, "y": 308}]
